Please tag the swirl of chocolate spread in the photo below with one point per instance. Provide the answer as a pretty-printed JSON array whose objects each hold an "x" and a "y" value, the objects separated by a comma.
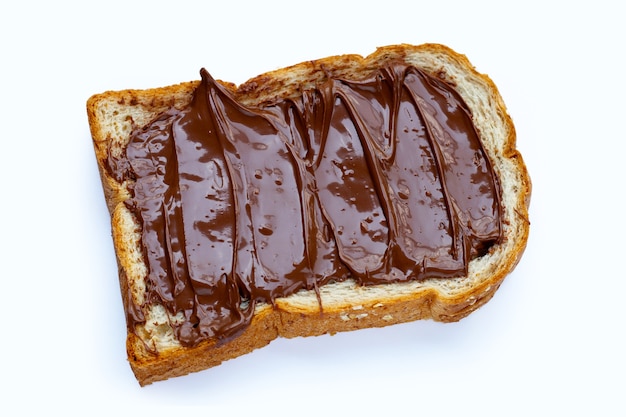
[{"x": 379, "y": 180}]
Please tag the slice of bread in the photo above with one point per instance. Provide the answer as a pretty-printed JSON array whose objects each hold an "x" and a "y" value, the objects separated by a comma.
[{"x": 153, "y": 349}]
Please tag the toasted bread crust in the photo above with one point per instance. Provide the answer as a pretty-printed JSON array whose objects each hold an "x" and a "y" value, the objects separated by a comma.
[{"x": 346, "y": 306}]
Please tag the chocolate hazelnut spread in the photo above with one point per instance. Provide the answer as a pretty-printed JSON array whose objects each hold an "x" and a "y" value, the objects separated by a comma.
[{"x": 379, "y": 180}]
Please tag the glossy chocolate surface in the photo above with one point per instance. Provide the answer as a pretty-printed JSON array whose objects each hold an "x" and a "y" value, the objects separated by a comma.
[{"x": 380, "y": 180}]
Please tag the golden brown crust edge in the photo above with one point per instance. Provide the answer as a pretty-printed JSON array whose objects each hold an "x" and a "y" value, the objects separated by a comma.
[{"x": 287, "y": 319}]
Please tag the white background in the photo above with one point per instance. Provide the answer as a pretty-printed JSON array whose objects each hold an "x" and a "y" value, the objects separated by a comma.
[{"x": 551, "y": 342}]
